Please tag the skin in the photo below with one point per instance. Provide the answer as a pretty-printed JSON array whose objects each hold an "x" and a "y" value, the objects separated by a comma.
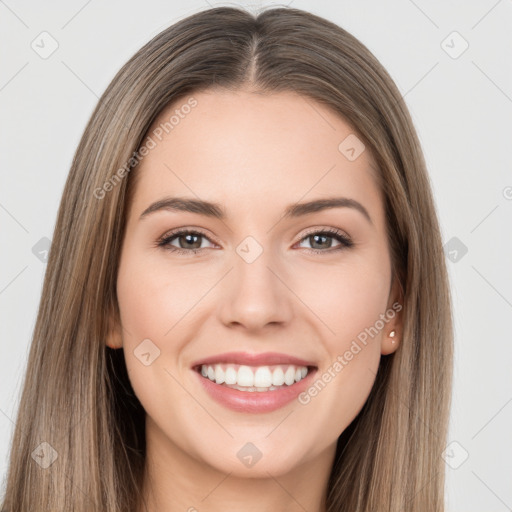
[{"x": 254, "y": 154}]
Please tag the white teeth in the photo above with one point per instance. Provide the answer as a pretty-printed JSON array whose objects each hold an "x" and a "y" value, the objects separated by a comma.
[
  {"x": 245, "y": 376},
  {"x": 219, "y": 374},
  {"x": 230, "y": 375},
  {"x": 278, "y": 377},
  {"x": 289, "y": 376},
  {"x": 263, "y": 377},
  {"x": 249, "y": 378}
]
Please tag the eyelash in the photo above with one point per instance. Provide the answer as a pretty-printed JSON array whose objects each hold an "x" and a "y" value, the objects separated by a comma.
[{"x": 165, "y": 240}]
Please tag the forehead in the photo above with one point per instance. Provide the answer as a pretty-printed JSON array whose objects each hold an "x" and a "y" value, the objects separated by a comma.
[{"x": 253, "y": 151}]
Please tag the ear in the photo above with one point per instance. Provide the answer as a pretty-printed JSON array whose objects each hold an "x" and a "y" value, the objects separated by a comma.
[
  {"x": 114, "y": 338},
  {"x": 393, "y": 330}
]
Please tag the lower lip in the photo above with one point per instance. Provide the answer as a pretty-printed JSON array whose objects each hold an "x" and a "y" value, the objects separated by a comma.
[{"x": 255, "y": 401}]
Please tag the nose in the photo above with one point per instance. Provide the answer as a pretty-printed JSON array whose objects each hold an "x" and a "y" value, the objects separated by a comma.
[{"x": 255, "y": 294}]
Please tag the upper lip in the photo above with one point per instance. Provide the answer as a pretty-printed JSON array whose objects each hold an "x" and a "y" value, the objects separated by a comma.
[{"x": 246, "y": 358}]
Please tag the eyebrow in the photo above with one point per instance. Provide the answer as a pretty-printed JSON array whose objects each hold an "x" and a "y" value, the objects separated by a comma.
[{"x": 215, "y": 210}]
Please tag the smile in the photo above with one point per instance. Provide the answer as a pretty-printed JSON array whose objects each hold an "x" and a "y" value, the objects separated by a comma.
[{"x": 257, "y": 389}]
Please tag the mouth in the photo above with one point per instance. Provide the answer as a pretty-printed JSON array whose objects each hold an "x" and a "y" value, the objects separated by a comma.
[{"x": 254, "y": 388}]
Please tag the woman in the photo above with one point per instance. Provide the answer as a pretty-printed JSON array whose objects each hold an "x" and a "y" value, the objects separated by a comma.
[{"x": 253, "y": 372}]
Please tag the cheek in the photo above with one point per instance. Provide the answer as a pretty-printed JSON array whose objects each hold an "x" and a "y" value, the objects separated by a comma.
[
  {"x": 151, "y": 307},
  {"x": 354, "y": 307},
  {"x": 155, "y": 302},
  {"x": 348, "y": 300},
  {"x": 143, "y": 303},
  {"x": 153, "y": 297}
]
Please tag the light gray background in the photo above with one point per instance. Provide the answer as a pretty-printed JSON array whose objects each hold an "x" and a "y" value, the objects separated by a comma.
[{"x": 462, "y": 108}]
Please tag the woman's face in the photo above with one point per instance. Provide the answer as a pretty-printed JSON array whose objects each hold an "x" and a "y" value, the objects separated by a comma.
[{"x": 260, "y": 282}]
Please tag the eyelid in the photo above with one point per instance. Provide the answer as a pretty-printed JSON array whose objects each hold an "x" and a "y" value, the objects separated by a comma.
[
  {"x": 188, "y": 229},
  {"x": 325, "y": 229}
]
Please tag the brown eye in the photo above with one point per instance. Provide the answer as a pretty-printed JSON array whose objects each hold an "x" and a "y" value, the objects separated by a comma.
[{"x": 189, "y": 241}]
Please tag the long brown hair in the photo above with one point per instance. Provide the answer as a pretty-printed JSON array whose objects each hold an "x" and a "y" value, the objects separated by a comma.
[{"x": 77, "y": 402}]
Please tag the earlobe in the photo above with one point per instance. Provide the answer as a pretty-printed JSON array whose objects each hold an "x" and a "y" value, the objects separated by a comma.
[
  {"x": 114, "y": 339},
  {"x": 113, "y": 343},
  {"x": 390, "y": 343},
  {"x": 392, "y": 336}
]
